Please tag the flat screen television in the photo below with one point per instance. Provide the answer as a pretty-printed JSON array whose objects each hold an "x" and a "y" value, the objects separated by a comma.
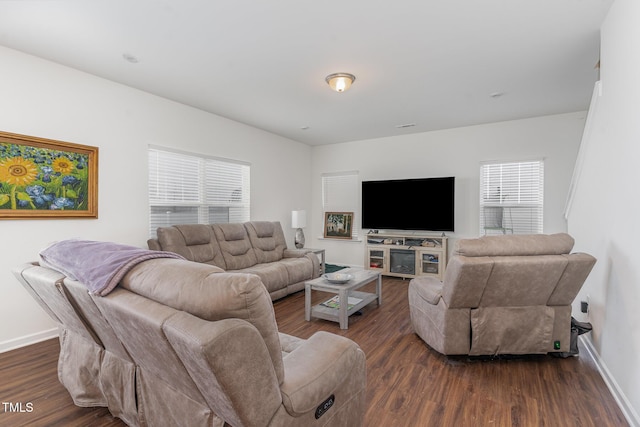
[{"x": 409, "y": 204}]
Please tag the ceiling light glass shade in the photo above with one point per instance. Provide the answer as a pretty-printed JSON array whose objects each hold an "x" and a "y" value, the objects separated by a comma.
[{"x": 340, "y": 81}]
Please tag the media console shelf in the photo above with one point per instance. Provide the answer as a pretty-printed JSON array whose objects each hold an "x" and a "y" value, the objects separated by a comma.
[{"x": 406, "y": 255}]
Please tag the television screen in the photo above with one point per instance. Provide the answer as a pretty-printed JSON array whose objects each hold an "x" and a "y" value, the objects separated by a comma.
[{"x": 409, "y": 204}]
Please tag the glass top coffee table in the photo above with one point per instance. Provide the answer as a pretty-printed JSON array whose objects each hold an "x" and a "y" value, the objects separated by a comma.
[{"x": 332, "y": 309}]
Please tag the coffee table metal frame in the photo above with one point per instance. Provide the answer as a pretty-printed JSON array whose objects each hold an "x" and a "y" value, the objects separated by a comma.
[{"x": 344, "y": 291}]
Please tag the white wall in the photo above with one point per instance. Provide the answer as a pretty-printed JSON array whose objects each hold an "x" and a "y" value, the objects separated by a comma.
[
  {"x": 606, "y": 209},
  {"x": 40, "y": 98},
  {"x": 453, "y": 152}
]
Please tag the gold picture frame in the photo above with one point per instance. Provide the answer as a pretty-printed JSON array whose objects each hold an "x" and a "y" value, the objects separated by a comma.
[
  {"x": 44, "y": 178},
  {"x": 338, "y": 225}
]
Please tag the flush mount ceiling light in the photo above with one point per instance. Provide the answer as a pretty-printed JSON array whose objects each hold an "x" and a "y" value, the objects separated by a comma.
[{"x": 340, "y": 81}]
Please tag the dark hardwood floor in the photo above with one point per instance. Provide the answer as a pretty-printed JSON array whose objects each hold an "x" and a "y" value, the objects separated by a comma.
[{"x": 408, "y": 383}]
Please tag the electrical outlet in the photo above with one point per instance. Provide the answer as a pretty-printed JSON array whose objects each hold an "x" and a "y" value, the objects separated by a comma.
[
  {"x": 584, "y": 307},
  {"x": 588, "y": 306}
]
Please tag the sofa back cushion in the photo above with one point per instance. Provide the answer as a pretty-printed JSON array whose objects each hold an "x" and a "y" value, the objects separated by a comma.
[
  {"x": 267, "y": 239},
  {"x": 235, "y": 246},
  {"x": 195, "y": 242},
  {"x": 210, "y": 294}
]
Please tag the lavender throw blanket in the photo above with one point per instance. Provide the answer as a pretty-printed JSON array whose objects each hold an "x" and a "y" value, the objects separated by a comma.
[{"x": 98, "y": 265}]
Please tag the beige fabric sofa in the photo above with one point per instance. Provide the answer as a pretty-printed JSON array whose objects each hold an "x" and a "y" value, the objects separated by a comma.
[
  {"x": 501, "y": 295},
  {"x": 256, "y": 247},
  {"x": 185, "y": 343}
]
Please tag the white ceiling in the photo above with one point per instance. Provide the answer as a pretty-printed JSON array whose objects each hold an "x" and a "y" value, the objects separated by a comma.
[{"x": 432, "y": 63}]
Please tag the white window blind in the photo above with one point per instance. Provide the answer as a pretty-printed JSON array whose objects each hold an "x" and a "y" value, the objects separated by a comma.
[
  {"x": 511, "y": 197},
  {"x": 340, "y": 193},
  {"x": 192, "y": 189}
]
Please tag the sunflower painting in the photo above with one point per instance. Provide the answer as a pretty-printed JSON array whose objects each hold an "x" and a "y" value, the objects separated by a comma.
[{"x": 42, "y": 178}]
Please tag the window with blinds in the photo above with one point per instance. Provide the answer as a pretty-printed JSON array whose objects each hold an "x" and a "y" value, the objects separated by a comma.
[
  {"x": 340, "y": 192},
  {"x": 193, "y": 189},
  {"x": 511, "y": 197}
]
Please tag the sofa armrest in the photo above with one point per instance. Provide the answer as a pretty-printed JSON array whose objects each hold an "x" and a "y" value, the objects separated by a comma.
[
  {"x": 295, "y": 253},
  {"x": 428, "y": 288},
  {"x": 319, "y": 368},
  {"x": 289, "y": 343},
  {"x": 230, "y": 364},
  {"x": 154, "y": 245}
]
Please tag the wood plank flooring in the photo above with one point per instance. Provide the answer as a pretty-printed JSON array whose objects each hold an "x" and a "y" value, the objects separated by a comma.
[
  {"x": 408, "y": 383},
  {"x": 29, "y": 375}
]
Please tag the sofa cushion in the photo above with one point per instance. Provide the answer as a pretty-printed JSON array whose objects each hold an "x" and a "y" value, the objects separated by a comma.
[
  {"x": 264, "y": 239},
  {"x": 195, "y": 242},
  {"x": 274, "y": 275},
  {"x": 235, "y": 246},
  {"x": 298, "y": 269}
]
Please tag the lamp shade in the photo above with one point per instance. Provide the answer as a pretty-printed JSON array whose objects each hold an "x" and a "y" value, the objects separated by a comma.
[
  {"x": 340, "y": 81},
  {"x": 298, "y": 219}
]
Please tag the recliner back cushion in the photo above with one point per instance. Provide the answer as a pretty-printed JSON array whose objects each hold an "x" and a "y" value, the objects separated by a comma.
[
  {"x": 522, "y": 280},
  {"x": 264, "y": 237},
  {"x": 515, "y": 245},
  {"x": 195, "y": 242},
  {"x": 235, "y": 246},
  {"x": 209, "y": 294}
]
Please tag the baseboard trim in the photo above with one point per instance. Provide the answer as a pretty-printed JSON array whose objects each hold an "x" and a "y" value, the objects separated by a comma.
[
  {"x": 625, "y": 406},
  {"x": 28, "y": 340}
]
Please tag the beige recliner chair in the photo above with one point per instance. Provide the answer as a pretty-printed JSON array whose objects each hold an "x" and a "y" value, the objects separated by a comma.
[{"x": 501, "y": 295}]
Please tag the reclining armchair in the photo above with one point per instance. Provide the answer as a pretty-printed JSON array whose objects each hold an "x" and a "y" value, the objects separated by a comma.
[{"x": 501, "y": 295}]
